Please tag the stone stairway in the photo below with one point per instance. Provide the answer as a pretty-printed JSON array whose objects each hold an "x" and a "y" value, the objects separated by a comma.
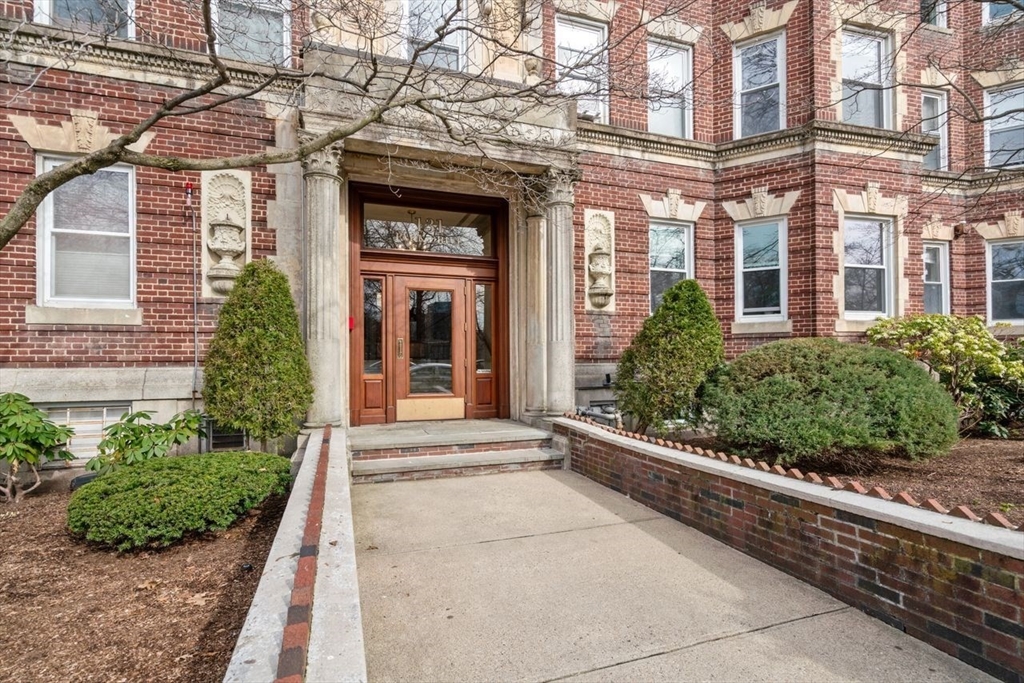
[{"x": 427, "y": 450}]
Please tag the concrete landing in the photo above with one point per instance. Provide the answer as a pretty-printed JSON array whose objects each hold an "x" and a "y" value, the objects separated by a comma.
[
  {"x": 440, "y": 433},
  {"x": 544, "y": 576}
]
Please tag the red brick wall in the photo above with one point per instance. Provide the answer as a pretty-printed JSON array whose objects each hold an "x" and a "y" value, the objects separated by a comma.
[
  {"x": 964, "y": 600},
  {"x": 163, "y": 227}
]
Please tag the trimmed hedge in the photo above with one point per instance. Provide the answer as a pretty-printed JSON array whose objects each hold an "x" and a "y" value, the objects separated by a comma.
[
  {"x": 157, "y": 502},
  {"x": 819, "y": 401},
  {"x": 669, "y": 358}
]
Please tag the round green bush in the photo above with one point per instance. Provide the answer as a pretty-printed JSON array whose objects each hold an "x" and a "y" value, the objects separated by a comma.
[
  {"x": 157, "y": 502},
  {"x": 669, "y": 358},
  {"x": 820, "y": 401}
]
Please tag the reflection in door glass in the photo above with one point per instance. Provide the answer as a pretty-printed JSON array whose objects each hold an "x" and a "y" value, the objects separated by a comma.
[
  {"x": 442, "y": 232},
  {"x": 430, "y": 341},
  {"x": 484, "y": 332},
  {"x": 372, "y": 321}
]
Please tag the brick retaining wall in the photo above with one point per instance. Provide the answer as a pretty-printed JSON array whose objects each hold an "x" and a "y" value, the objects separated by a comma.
[{"x": 953, "y": 583}]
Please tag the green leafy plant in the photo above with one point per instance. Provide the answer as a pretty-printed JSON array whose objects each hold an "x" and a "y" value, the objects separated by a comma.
[
  {"x": 669, "y": 358},
  {"x": 135, "y": 439},
  {"x": 978, "y": 371},
  {"x": 28, "y": 439},
  {"x": 256, "y": 374},
  {"x": 158, "y": 502},
  {"x": 821, "y": 401}
]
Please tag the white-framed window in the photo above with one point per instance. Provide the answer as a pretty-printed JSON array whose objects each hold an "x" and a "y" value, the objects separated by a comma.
[
  {"x": 425, "y": 18},
  {"x": 934, "y": 113},
  {"x": 86, "y": 238},
  {"x": 998, "y": 11},
  {"x": 102, "y": 17},
  {"x": 669, "y": 88},
  {"x": 670, "y": 249},
  {"x": 936, "y": 277},
  {"x": 867, "y": 268},
  {"x": 1006, "y": 281},
  {"x": 582, "y": 65},
  {"x": 867, "y": 72},
  {"x": 253, "y": 30},
  {"x": 761, "y": 278},
  {"x": 1004, "y": 127},
  {"x": 934, "y": 12},
  {"x": 759, "y": 83},
  {"x": 88, "y": 421}
]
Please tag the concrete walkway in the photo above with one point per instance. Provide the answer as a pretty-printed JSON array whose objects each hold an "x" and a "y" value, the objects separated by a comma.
[{"x": 544, "y": 576}]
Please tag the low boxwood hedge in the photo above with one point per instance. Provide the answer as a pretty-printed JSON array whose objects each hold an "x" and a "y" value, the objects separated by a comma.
[
  {"x": 820, "y": 401},
  {"x": 157, "y": 502}
]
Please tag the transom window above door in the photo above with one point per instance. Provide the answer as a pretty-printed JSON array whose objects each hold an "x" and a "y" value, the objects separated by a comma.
[{"x": 405, "y": 228}]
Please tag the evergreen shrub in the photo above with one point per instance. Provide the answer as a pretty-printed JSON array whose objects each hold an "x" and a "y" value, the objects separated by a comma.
[
  {"x": 256, "y": 376},
  {"x": 669, "y": 358},
  {"x": 157, "y": 502},
  {"x": 821, "y": 401}
]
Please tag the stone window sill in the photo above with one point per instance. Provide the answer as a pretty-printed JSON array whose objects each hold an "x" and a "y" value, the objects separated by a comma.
[
  {"x": 754, "y": 328},
  {"x": 843, "y": 325},
  {"x": 1004, "y": 330},
  {"x": 47, "y": 315}
]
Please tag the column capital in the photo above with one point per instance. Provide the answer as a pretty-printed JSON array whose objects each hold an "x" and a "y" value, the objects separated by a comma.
[
  {"x": 326, "y": 161},
  {"x": 560, "y": 184}
]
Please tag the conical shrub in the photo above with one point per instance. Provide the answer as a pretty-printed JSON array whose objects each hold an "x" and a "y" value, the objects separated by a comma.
[
  {"x": 669, "y": 358},
  {"x": 256, "y": 374}
]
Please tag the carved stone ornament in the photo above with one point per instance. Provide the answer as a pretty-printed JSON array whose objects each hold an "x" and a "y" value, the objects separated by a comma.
[
  {"x": 673, "y": 202},
  {"x": 326, "y": 161},
  {"x": 759, "y": 201},
  {"x": 1014, "y": 222},
  {"x": 226, "y": 221},
  {"x": 757, "y": 10},
  {"x": 600, "y": 245},
  {"x": 871, "y": 197},
  {"x": 85, "y": 124},
  {"x": 227, "y": 241},
  {"x": 561, "y": 184}
]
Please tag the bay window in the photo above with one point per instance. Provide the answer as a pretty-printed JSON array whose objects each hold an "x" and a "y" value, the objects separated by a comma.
[
  {"x": 866, "y": 79},
  {"x": 760, "y": 90},
  {"x": 761, "y": 271},
  {"x": 867, "y": 271},
  {"x": 671, "y": 257}
]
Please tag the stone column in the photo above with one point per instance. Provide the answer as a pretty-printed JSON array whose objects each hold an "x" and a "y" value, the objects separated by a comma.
[
  {"x": 535, "y": 310},
  {"x": 326, "y": 288},
  {"x": 561, "y": 335}
]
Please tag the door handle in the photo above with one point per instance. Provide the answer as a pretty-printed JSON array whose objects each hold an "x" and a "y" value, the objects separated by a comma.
[{"x": 401, "y": 348}]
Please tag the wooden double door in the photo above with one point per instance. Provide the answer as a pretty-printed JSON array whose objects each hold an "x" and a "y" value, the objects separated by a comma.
[{"x": 429, "y": 339}]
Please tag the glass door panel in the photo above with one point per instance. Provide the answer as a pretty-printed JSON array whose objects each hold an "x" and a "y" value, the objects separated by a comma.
[
  {"x": 430, "y": 348},
  {"x": 430, "y": 341}
]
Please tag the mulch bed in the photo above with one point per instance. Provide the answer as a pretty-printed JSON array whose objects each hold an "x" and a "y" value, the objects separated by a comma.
[
  {"x": 73, "y": 612},
  {"x": 986, "y": 475}
]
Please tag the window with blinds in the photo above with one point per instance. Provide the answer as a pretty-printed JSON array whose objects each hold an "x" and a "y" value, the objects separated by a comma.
[{"x": 88, "y": 239}]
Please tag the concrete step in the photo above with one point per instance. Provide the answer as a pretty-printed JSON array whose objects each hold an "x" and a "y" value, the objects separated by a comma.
[
  {"x": 445, "y": 437},
  {"x": 454, "y": 464}
]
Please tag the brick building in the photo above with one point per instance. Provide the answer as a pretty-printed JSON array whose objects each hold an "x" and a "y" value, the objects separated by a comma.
[{"x": 815, "y": 164}]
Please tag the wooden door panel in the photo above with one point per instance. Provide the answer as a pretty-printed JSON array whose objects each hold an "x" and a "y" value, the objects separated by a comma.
[{"x": 373, "y": 393}]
